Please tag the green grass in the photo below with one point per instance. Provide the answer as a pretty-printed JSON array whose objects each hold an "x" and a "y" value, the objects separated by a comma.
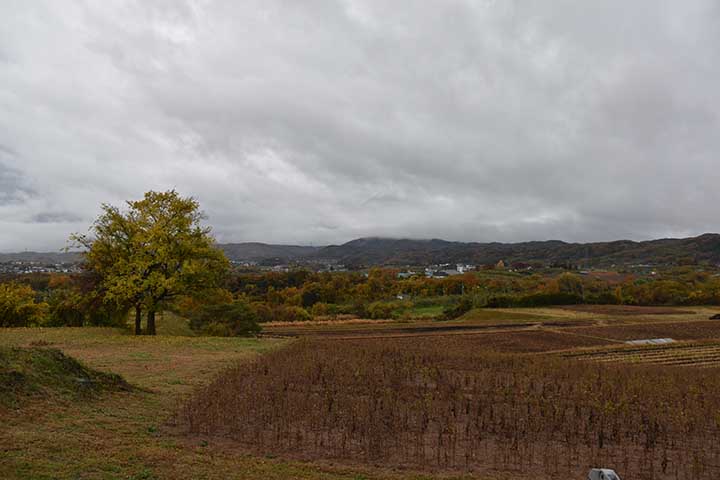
[{"x": 431, "y": 311}]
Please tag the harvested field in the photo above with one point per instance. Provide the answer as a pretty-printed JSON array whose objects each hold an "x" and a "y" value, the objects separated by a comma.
[
  {"x": 421, "y": 404},
  {"x": 487, "y": 315},
  {"x": 437, "y": 329},
  {"x": 480, "y": 320},
  {"x": 677, "y": 330},
  {"x": 706, "y": 354},
  {"x": 466, "y": 324},
  {"x": 627, "y": 310},
  {"x": 524, "y": 341}
]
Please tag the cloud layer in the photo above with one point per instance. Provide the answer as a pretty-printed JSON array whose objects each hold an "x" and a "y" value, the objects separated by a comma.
[{"x": 321, "y": 121}]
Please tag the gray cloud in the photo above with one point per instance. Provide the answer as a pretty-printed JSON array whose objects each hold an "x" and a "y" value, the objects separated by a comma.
[
  {"x": 55, "y": 217},
  {"x": 13, "y": 186},
  {"x": 322, "y": 121}
]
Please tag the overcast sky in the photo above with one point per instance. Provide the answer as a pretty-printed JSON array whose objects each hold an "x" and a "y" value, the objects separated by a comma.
[{"x": 316, "y": 122}]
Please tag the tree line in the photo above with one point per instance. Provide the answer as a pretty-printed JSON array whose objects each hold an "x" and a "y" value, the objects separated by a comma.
[{"x": 154, "y": 254}]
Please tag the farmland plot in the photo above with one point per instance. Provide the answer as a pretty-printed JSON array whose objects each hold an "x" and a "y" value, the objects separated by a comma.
[
  {"x": 521, "y": 341},
  {"x": 418, "y": 403},
  {"x": 706, "y": 329},
  {"x": 706, "y": 354},
  {"x": 628, "y": 310}
]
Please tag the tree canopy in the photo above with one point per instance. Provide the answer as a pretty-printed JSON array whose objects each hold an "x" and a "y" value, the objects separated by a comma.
[{"x": 152, "y": 252}]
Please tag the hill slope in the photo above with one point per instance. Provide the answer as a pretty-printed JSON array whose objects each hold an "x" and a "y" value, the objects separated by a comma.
[
  {"x": 255, "y": 251},
  {"x": 383, "y": 251}
]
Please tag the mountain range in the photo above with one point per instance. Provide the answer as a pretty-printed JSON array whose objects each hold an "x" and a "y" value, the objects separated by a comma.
[
  {"x": 396, "y": 252},
  {"x": 389, "y": 251}
]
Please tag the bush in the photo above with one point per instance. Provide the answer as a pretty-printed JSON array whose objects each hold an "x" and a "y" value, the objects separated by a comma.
[
  {"x": 383, "y": 310},
  {"x": 106, "y": 315},
  {"x": 226, "y": 320},
  {"x": 311, "y": 295},
  {"x": 279, "y": 313},
  {"x": 465, "y": 305},
  {"x": 603, "y": 298},
  {"x": 534, "y": 300},
  {"x": 18, "y": 307},
  {"x": 67, "y": 308},
  {"x": 359, "y": 309},
  {"x": 324, "y": 310},
  {"x": 263, "y": 311},
  {"x": 288, "y": 313}
]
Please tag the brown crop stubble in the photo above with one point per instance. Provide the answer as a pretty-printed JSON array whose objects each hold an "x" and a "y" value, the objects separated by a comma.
[
  {"x": 677, "y": 330},
  {"x": 446, "y": 405}
]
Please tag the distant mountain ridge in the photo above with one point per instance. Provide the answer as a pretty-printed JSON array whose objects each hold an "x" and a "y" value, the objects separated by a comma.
[
  {"x": 256, "y": 251},
  {"x": 398, "y": 251},
  {"x": 382, "y": 251},
  {"x": 392, "y": 251}
]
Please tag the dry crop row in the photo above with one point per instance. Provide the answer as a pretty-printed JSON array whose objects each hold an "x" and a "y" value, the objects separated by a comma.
[
  {"x": 692, "y": 354},
  {"x": 447, "y": 404}
]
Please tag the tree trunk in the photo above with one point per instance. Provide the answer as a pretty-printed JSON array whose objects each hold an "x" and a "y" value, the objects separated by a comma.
[
  {"x": 151, "y": 322},
  {"x": 138, "y": 320}
]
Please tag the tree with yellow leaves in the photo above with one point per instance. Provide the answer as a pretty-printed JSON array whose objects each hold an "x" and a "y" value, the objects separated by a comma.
[{"x": 152, "y": 253}]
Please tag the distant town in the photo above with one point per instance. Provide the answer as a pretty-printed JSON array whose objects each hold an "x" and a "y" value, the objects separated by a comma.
[{"x": 25, "y": 267}]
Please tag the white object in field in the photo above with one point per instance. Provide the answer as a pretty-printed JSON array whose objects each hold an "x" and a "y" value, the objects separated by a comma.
[
  {"x": 651, "y": 341},
  {"x": 602, "y": 474}
]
